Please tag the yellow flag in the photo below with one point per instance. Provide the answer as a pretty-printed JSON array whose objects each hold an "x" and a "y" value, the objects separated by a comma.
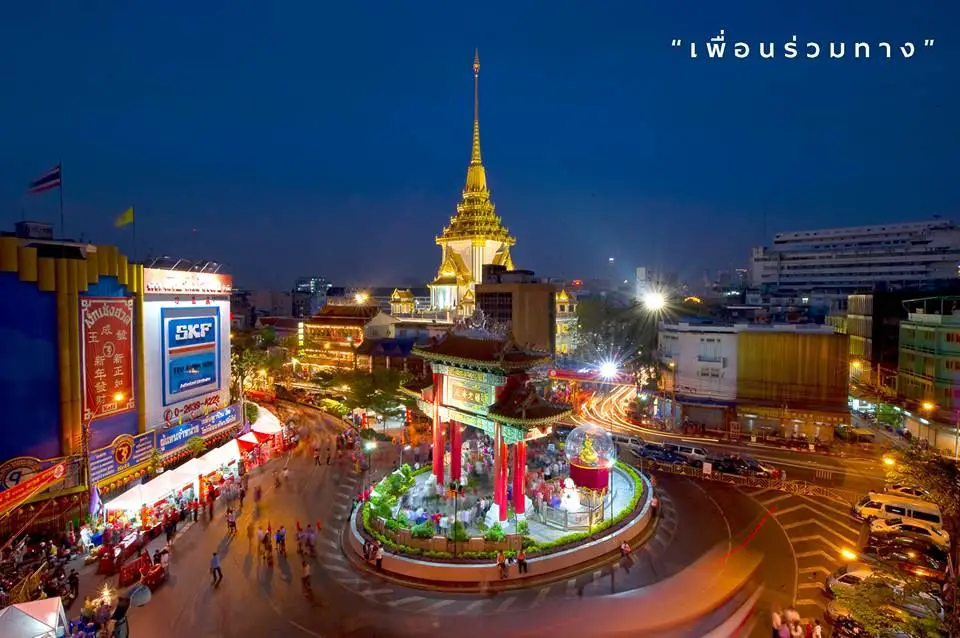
[{"x": 125, "y": 218}]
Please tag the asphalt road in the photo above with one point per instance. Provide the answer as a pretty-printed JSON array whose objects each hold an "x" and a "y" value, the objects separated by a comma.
[
  {"x": 850, "y": 476},
  {"x": 255, "y": 599}
]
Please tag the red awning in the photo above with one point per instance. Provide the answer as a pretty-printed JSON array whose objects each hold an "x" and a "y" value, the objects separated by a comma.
[{"x": 248, "y": 442}]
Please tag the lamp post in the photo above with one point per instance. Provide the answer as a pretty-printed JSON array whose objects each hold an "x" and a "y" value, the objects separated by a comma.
[
  {"x": 85, "y": 441},
  {"x": 368, "y": 448},
  {"x": 673, "y": 391}
]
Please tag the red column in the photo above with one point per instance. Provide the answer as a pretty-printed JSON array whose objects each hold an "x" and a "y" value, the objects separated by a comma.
[
  {"x": 438, "y": 443},
  {"x": 498, "y": 461},
  {"x": 519, "y": 478},
  {"x": 504, "y": 473},
  {"x": 456, "y": 450}
]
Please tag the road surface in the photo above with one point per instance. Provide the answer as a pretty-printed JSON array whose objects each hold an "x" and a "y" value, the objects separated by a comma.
[{"x": 255, "y": 599}]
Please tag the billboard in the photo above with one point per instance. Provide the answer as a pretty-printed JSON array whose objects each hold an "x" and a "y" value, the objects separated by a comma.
[
  {"x": 125, "y": 452},
  {"x": 16, "y": 495},
  {"x": 106, "y": 337},
  {"x": 186, "y": 319},
  {"x": 191, "y": 349},
  {"x": 177, "y": 436}
]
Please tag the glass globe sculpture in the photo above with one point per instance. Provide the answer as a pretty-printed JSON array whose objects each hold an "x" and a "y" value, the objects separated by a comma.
[{"x": 590, "y": 446}]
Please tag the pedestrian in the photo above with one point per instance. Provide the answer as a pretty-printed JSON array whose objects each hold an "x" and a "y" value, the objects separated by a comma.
[
  {"x": 215, "y": 570},
  {"x": 521, "y": 561},
  {"x": 74, "y": 581},
  {"x": 156, "y": 557},
  {"x": 243, "y": 494},
  {"x": 195, "y": 506},
  {"x": 316, "y": 457},
  {"x": 165, "y": 561},
  {"x": 654, "y": 505},
  {"x": 305, "y": 578},
  {"x": 502, "y": 564},
  {"x": 379, "y": 556},
  {"x": 328, "y": 456},
  {"x": 817, "y": 629}
]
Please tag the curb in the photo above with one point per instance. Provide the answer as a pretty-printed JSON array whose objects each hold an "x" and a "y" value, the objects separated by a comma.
[{"x": 513, "y": 583}]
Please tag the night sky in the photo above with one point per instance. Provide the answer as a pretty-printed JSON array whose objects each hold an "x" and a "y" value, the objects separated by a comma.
[{"x": 321, "y": 138}]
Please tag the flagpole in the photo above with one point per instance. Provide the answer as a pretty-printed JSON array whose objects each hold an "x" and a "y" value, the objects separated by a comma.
[
  {"x": 63, "y": 229},
  {"x": 134, "y": 208}
]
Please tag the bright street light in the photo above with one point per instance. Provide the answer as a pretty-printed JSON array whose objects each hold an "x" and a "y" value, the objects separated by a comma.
[
  {"x": 654, "y": 301},
  {"x": 608, "y": 369},
  {"x": 369, "y": 446},
  {"x": 927, "y": 405},
  {"x": 889, "y": 461},
  {"x": 848, "y": 554}
]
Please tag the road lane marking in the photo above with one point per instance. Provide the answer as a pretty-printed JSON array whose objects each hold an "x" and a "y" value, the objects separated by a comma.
[
  {"x": 541, "y": 596},
  {"x": 816, "y": 553},
  {"x": 469, "y": 608},
  {"x": 770, "y": 501},
  {"x": 812, "y": 570},
  {"x": 375, "y": 592},
  {"x": 814, "y": 521},
  {"x": 812, "y": 603},
  {"x": 404, "y": 601},
  {"x": 437, "y": 605},
  {"x": 505, "y": 605},
  {"x": 815, "y": 585}
]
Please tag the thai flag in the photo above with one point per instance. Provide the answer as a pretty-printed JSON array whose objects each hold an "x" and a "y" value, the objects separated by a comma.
[{"x": 47, "y": 181}]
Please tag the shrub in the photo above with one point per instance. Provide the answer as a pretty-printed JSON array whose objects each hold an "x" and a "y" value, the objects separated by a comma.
[
  {"x": 495, "y": 534},
  {"x": 523, "y": 528},
  {"x": 422, "y": 530},
  {"x": 458, "y": 532}
]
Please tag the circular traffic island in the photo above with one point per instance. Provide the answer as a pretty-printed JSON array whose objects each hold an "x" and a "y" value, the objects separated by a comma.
[{"x": 453, "y": 534}]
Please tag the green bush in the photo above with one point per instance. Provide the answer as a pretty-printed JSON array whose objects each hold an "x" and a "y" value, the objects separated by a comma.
[
  {"x": 458, "y": 532},
  {"x": 251, "y": 412},
  {"x": 523, "y": 528},
  {"x": 423, "y": 530},
  {"x": 495, "y": 534}
]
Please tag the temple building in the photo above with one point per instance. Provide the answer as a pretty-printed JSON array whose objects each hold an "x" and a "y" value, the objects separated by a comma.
[{"x": 475, "y": 236}]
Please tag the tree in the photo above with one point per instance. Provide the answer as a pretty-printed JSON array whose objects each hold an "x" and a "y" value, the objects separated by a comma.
[
  {"x": 938, "y": 475},
  {"x": 197, "y": 446},
  {"x": 378, "y": 391},
  {"x": 243, "y": 366},
  {"x": 884, "y": 604}
]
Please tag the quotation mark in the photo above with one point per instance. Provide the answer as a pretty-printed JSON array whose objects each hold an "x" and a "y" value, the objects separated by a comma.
[
  {"x": 675, "y": 42},
  {"x": 928, "y": 42}
]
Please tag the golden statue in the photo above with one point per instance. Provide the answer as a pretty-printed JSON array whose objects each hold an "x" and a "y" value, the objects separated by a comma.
[{"x": 587, "y": 455}]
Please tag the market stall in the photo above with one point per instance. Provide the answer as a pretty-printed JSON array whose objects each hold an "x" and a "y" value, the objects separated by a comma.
[
  {"x": 220, "y": 468},
  {"x": 36, "y": 619},
  {"x": 270, "y": 432}
]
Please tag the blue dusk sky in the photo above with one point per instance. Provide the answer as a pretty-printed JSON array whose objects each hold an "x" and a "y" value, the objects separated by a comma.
[{"x": 296, "y": 138}]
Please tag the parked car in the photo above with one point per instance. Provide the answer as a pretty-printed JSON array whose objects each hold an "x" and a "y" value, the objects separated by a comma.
[
  {"x": 886, "y": 506},
  {"x": 929, "y": 564},
  {"x": 656, "y": 452},
  {"x": 907, "y": 490},
  {"x": 848, "y": 575},
  {"x": 902, "y": 527},
  {"x": 689, "y": 452}
]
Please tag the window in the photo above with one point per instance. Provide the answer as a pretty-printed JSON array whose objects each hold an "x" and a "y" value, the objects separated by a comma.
[
  {"x": 926, "y": 517},
  {"x": 894, "y": 509},
  {"x": 850, "y": 579}
]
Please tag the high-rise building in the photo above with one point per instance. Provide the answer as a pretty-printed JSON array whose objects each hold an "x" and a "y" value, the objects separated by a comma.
[
  {"x": 518, "y": 299},
  {"x": 309, "y": 295},
  {"x": 475, "y": 236},
  {"x": 828, "y": 264}
]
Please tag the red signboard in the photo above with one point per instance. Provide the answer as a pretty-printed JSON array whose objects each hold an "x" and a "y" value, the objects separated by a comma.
[
  {"x": 106, "y": 335},
  {"x": 20, "y": 492}
]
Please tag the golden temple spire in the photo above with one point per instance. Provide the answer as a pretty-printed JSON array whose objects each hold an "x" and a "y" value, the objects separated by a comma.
[{"x": 476, "y": 174}]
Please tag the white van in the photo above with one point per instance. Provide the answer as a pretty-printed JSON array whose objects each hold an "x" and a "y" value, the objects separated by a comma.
[
  {"x": 888, "y": 506},
  {"x": 689, "y": 452},
  {"x": 629, "y": 442}
]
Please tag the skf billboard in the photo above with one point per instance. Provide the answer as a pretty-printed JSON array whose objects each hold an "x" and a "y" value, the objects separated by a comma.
[{"x": 187, "y": 345}]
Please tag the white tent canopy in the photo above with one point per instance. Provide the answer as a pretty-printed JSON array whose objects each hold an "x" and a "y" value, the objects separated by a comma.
[
  {"x": 229, "y": 451},
  {"x": 149, "y": 493},
  {"x": 266, "y": 422},
  {"x": 35, "y": 619}
]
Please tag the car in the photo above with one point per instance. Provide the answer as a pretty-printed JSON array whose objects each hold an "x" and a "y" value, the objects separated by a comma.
[
  {"x": 908, "y": 490},
  {"x": 656, "y": 452},
  {"x": 900, "y": 527},
  {"x": 849, "y": 575},
  {"x": 929, "y": 565}
]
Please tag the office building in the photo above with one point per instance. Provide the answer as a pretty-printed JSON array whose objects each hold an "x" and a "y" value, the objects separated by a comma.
[
  {"x": 516, "y": 298},
  {"x": 824, "y": 266}
]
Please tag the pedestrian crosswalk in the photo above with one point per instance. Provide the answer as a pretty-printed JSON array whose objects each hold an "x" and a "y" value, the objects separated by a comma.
[{"x": 818, "y": 531}]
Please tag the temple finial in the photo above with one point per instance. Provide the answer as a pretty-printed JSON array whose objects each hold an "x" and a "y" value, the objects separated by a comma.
[{"x": 475, "y": 151}]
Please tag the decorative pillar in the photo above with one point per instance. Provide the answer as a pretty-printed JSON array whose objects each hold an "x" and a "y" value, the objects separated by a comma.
[
  {"x": 504, "y": 473},
  {"x": 456, "y": 451},
  {"x": 498, "y": 463},
  {"x": 520, "y": 479},
  {"x": 438, "y": 442}
]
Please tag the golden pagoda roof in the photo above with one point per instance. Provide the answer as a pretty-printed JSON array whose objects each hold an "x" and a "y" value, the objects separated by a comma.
[
  {"x": 453, "y": 271},
  {"x": 399, "y": 295},
  {"x": 563, "y": 296},
  {"x": 476, "y": 216}
]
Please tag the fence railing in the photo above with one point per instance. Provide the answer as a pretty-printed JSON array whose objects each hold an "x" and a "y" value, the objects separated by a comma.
[
  {"x": 801, "y": 488},
  {"x": 22, "y": 591},
  {"x": 582, "y": 520}
]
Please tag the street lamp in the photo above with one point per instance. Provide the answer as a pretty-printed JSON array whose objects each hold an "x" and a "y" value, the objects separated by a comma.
[
  {"x": 368, "y": 448},
  {"x": 85, "y": 440},
  {"x": 849, "y": 555},
  {"x": 654, "y": 301},
  {"x": 608, "y": 369}
]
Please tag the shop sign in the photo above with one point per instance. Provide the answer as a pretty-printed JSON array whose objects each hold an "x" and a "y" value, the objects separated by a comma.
[
  {"x": 469, "y": 395},
  {"x": 22, "y": 469},
  {"x": 205, "y": 426},
  {"x": 106, "y": 337},
  {"x": 470, "y": 375},
  {"x": 19, "y": 493},
  {"x": 175, "y": 282},
  {"x": 125, "y": 452}
]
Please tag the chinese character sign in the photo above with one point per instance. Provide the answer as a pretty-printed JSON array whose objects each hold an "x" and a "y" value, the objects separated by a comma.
[{"x": 106, "y": 333}]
